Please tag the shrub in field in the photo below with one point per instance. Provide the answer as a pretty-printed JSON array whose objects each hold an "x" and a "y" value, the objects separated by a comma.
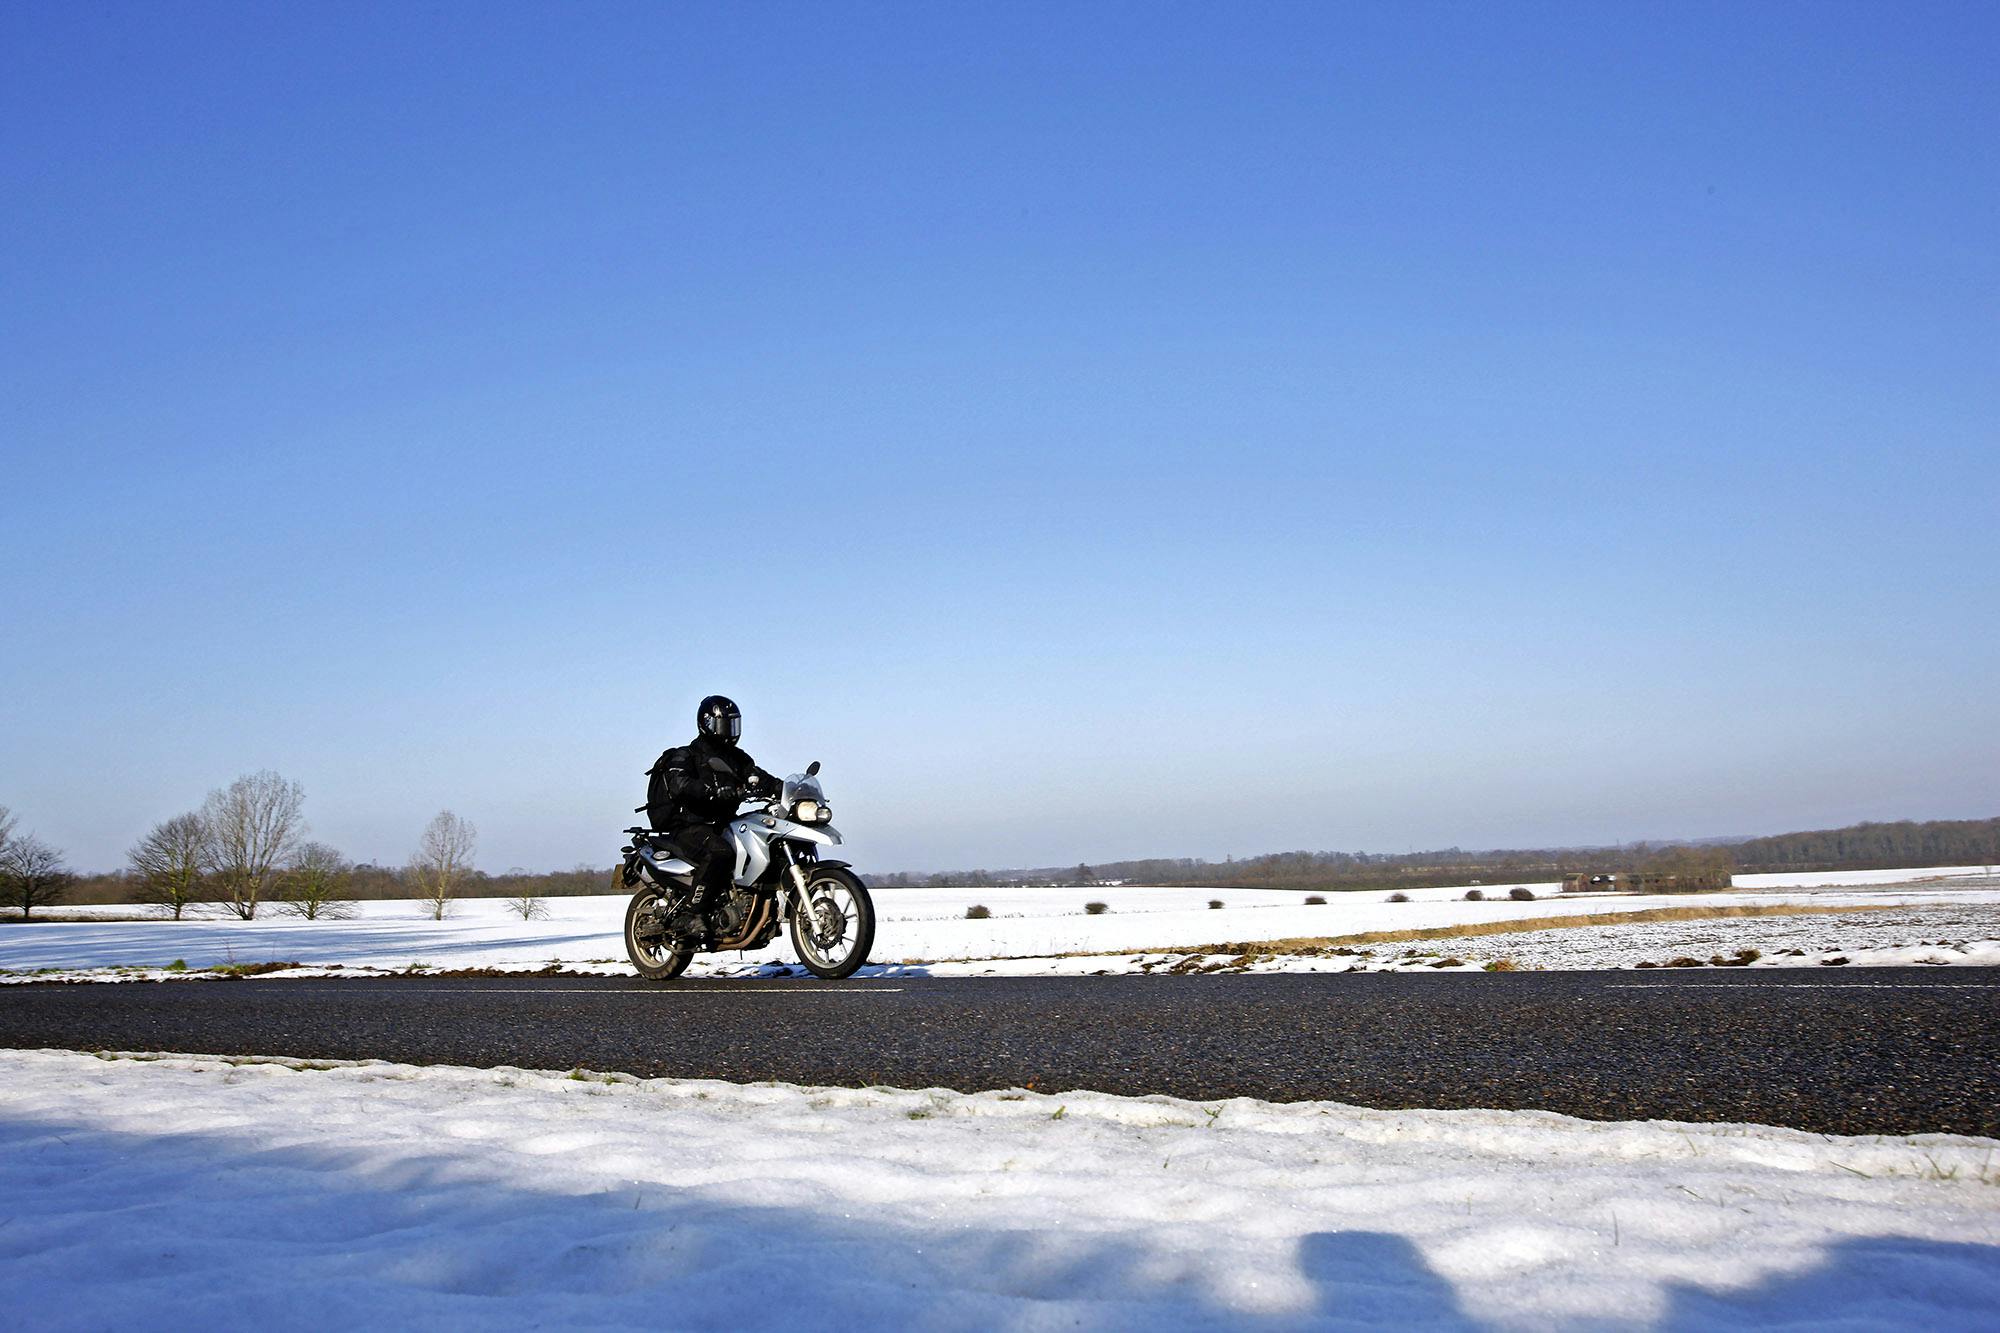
[
  {"x": 1097, "y": 909},
  {"x": 978, "y": 912},
  {"x": 1475, "y": 896},
  {"x": 1682, "y": 962},
  {"x": 1399, "y": 897},
  {"x": 1521, "y": 895},
  {"x": 1215, "y": 904},
  {"x": 1503, "y": 965},
  {"x": 1315, "y": 901}
]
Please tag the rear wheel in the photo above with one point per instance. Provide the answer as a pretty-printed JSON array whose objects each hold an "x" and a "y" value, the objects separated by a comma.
[
  {"x": 833, "y": 928},
  {"x": 646, "y": 943}
]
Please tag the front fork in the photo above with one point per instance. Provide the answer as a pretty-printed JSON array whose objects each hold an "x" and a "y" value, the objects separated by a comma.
[{"x": 792, "y": 898}]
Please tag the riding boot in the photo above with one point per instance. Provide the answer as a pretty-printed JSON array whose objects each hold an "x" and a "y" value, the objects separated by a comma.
[
  {"x": 707, "y": 898},
  {"x": 688, "y": 924}
]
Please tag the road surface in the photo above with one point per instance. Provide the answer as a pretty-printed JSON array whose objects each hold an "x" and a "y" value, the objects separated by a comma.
[{"x": 1888, "y": 1050}]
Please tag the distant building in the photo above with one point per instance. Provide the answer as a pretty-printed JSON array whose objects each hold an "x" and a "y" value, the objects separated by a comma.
[{"x": 1647, "y": 881}]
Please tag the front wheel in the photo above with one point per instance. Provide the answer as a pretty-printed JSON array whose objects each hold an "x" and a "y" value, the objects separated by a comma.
[
  {"x": 833, "y": 927},
  {"x": 652, "y": 953}
]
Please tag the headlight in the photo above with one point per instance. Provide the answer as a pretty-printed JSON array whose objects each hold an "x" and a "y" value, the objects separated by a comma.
[
  {"x": 806, "y": 812},
  {"x": 826, "y": 814}
]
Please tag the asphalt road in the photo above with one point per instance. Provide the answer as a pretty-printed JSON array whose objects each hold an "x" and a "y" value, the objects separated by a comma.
[{"x": 1889, "y": 1050}]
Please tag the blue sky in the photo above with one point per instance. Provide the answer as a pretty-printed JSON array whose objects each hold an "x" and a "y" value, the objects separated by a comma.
[{"x": 1090, "y": 430}]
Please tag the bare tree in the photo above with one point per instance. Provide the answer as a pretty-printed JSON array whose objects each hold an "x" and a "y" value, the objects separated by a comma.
[
  {"x": 7, "y": 822},
  {"x": 443, "y": 860},
  {"x": 254, "y": 825},
  {"x": 313, "y": 882},
  {"x": 169, "y": 861},
  {"x": 32, "y": 874},
  {"x": 523, "y": 901}
]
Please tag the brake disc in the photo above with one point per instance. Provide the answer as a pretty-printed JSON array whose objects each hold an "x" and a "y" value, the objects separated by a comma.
[{"x": 828, "y": 922}]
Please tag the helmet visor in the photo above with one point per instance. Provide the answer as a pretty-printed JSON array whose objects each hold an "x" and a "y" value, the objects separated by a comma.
[{"x": 731, "y": 725}]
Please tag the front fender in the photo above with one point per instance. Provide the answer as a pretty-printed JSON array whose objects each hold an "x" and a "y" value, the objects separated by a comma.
[{"x": 797, "y": 877}]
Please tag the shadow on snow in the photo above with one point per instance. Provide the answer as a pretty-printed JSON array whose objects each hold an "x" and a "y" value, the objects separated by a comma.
[{"x": 107, "y": 1228}]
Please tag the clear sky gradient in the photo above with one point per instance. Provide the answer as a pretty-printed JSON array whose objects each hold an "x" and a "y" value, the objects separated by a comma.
[{"x": 1091, "y": 430}]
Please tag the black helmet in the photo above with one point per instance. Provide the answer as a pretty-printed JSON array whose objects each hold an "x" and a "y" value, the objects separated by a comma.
[{"x": 720, "y": 719}]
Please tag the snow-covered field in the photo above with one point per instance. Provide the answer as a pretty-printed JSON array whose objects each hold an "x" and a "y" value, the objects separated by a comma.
[
  {"x": 1032, "y": 930},
  {"x": 198, "y": 1192},
  {"x": 1952, "y": 933}
]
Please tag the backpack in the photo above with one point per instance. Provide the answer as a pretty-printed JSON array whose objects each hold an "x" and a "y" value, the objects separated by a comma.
[{"x": 660, "y": 807}]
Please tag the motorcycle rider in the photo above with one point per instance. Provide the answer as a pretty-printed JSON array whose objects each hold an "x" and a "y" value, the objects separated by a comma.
[{"x": 693, "y": 790}]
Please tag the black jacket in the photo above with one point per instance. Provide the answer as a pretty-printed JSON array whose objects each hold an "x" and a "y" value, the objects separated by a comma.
[{"x": 702, "y": 783}]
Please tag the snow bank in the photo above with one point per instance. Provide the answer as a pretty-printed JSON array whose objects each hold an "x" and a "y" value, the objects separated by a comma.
[{"x": 202, "y": 1192}]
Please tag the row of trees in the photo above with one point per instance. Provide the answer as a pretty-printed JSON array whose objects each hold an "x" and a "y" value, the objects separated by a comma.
[
  {"x": 243, "y": 849},
  {"x": 247, "y": 845},
  {"x": 366, "y": 881}
]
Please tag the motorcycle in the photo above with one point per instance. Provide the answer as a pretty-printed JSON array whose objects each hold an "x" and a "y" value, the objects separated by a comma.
[{"x": 779, "y": 879}]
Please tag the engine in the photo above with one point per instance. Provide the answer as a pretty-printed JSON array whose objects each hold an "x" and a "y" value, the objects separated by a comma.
[{"x": 727, "y": 917}]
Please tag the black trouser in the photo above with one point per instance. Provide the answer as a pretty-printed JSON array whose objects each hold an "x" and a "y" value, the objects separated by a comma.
[{"x": 713, "y": 859}]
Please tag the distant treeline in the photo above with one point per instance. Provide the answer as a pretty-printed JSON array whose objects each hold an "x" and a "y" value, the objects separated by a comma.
[
  {"x": 1857, "y": 847},
  {"x": 1871, "y": 846},
  {"x": 1935, "y": 842}
]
